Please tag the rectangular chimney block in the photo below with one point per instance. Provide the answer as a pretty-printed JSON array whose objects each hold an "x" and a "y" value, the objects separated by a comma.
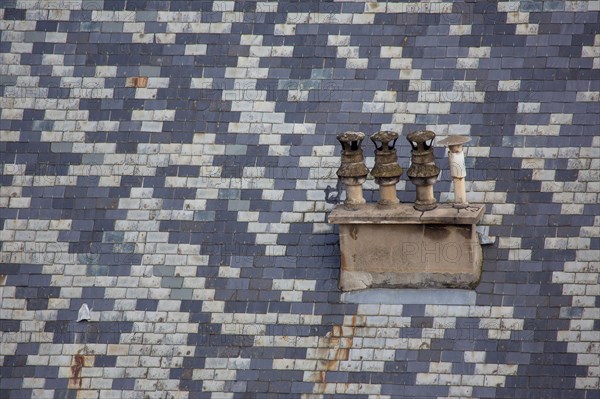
[{"x": 400, "y": 247}]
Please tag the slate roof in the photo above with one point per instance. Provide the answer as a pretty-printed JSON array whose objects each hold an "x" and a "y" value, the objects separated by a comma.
[{"x": 188, "y": 210}]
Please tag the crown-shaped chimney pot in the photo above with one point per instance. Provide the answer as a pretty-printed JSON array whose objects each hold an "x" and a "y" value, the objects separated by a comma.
[
  {"x": 386, "y": 170},
  {"x": 423, "y": 171},
  {"x": 352, "y": 171}
]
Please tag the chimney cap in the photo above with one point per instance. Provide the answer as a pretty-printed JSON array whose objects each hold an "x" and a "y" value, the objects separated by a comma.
[
  {"x": 350, "y": 136},
  {"x": 421, "y": 136},
  {"x": 454, "y": 140},
  {"x": 384, "y": 136}
]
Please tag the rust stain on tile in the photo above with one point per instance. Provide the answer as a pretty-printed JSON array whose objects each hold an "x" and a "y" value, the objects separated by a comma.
[
  {"x": 80, "y": 360},
  {"x": 339, "y": 342},
  {"x": 76, "y": 367},
  {"x": 138, "y": 82}
]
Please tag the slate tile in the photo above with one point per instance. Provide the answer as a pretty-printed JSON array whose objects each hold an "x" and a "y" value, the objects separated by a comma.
[
  {"x": 9, "y": 326},
  {"x": 14, "y": 14},
  {"x": 37, "y": 303}
]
